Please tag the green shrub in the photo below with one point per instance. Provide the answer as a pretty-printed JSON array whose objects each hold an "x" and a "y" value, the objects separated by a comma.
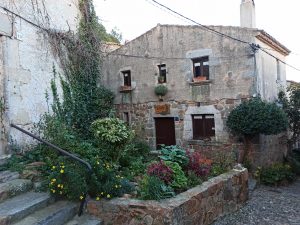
[
  {"x": 113, "y": 133},
  {"x": 174, "y": 153},
  {"x": 275, "y": 174},
  {"x": 193, "y": 179},
  {"x": 222, "y": 162},
  {"x": 179, "y": 179},
  {"x": 161, "y": 90},
  {"x": 152, "y": 188}
]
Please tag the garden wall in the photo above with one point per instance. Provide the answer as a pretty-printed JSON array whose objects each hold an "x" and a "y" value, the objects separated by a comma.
[{"x": 200, "y": 205}]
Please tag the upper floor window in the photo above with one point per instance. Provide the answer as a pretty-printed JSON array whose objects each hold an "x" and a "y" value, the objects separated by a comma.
[
  {"x": 162, "y": 77},
  {"x": 127, "y": 77},
  {"x": 203, "y": 126},
  {"x": 201, "y": 68}
]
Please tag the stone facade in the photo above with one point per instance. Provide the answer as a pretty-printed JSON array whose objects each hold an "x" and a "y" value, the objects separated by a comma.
[
  {"x": 200, "y": 205},
  {"x": 26, "y": 60},
  {"x": 236, "y": 72}
]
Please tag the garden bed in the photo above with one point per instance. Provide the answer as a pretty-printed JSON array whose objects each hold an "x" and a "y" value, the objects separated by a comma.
[{"x": 200, "y": 205}]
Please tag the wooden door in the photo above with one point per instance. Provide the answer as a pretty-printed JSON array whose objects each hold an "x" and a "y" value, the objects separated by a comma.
[{"x": 165, "y": 131}]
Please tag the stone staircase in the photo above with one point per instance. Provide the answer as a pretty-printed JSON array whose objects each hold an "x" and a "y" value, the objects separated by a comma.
[{"x": 21, "y": 205}]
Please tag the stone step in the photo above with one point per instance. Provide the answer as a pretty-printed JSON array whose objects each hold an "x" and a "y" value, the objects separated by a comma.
[
  {"x": 3, "y": 159},
  {"x": 13, "y": 188},
  {"x": 85, "y": 220},
  {"x": 8, "y": 176},
  {"x": 56, "y": 214},
  {"x": 21, "y": 206}
]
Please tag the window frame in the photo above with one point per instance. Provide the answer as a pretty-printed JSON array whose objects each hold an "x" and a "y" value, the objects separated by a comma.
[
  {"x": 207, "y": 130},
  {"x": 204, "y": 61},
  {"x": 162, "y": 72},
  {"x": 126, "y": 79}
]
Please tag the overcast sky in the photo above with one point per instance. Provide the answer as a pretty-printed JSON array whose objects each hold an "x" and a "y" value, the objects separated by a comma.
[{"x": 280, "y": 18}]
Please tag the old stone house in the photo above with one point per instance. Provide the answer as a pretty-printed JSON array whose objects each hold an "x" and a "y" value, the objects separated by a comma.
[
  {"x": 206, "y": 74},
  {"x": 26, "y": 60}
]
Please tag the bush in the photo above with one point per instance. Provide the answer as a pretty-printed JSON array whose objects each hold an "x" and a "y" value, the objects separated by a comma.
[
  {"x": 161, "y": 171},
  {"x": 257, "y": 117},
  {"x": 193, "y": 179},
  {"x": 113, "y": 133},
  {"x": 174, "y": 154},
  {"x": 275, "y": 174},
  {"x": 222, "y": 162},
  {"x": 152, "y": 188},
  {"x": 179, "y": 179},
  {"x": 161, "y": 90},
  {"x": 198, "y": 164}
]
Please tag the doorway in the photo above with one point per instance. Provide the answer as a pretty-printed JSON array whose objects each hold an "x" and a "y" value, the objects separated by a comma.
[{"x": 165, "y": 131}]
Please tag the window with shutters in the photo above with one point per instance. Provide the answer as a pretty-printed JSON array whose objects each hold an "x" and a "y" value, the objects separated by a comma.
[
  {"x": 201, "y": 68},
  {"x": 203, "y": 126}
]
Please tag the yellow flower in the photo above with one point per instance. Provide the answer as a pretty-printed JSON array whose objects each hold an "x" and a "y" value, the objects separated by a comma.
[
  {"x": 97, "y": 199},
  {"x": 81, "y": 197},
  {"x": 108, "y": 195},
  {"x": 98, "y": 163},
  {"x": 53, "y": 191},
  {"x": 60, "y": 192},
  {"x": 58, "y": 185},
  {"x": 63, "y": 167},
  {"x": 102, "y": 193},
  {"x": 53, "y": 167},
  {"x": 53, "y": 180},
  {"x": 61, "y": 186},
  {"x": 62, "y": 171}
]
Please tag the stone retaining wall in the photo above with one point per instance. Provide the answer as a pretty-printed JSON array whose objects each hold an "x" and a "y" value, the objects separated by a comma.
[{"x": 200, "y": 205}]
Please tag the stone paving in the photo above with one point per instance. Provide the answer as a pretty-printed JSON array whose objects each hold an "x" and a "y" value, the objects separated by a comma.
[{"x": 268, "y": 206}]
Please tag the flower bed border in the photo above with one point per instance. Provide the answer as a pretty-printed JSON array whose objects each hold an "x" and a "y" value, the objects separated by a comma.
[{"x": 200, "y": 205}]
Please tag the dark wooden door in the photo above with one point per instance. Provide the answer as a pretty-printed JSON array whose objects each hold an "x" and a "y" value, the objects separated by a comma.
[{"x": 165, "y": 131}]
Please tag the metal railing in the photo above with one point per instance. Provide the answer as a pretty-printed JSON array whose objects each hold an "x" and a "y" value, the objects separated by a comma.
[{"x": 65, "y": 153}]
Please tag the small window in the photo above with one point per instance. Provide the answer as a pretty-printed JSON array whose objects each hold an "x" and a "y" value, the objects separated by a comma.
[
  {"x": 203, "y": 126},
  {"x": 201, "y": 67},
  {"x": 127, "y": 78},
  {"x": 162, "y": 78},
  {"x": 126, "y": 117},
  {"x": 278, "y": 70}
]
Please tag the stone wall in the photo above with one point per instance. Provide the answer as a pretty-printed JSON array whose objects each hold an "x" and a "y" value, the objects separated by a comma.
[{"x": 198, "y": 206}]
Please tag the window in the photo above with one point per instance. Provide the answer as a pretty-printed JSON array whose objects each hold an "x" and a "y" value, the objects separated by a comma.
[
  {"x": 127, "y": 77},
  {"x": 278, "y": 70},
  {"x": 201, "y": 67},
  {"x": 126, "y": 117},
  {"x": 203, "y": 126},
  {"x": 162, "y": 78}
]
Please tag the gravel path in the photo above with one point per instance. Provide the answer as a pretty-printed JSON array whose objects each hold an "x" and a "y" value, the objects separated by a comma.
[{"x": 268, "y": 206}]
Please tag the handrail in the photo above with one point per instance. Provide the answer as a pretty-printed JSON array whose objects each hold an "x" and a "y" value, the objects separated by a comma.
[{"x": 63, "y": 152}]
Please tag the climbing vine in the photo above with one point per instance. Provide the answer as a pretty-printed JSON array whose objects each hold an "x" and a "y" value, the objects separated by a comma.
[{"x": 83, "y": 100}]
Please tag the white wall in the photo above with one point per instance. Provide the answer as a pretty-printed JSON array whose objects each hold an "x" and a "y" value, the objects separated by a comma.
[{"x": 28, "y": 59}]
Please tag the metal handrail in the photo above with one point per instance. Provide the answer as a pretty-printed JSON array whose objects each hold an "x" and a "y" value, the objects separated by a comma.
[{"x": 63, "y": 152}]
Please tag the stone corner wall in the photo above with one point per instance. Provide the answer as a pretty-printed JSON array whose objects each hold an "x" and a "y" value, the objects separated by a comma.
[{"x": 200, "y": 205}]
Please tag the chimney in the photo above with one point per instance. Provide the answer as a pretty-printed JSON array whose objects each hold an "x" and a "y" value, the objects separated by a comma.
[{"x": 247, "y": 12}]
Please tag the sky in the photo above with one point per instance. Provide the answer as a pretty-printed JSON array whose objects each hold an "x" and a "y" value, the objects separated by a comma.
[{"x": 279, "y": 18}]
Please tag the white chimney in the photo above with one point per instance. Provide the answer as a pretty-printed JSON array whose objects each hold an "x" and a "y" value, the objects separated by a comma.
[{"x": 248, "y": 14}]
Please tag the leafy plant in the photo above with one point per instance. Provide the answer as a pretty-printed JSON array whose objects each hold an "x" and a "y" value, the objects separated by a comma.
[
  {"x": 275, "y": 174},
  {"x": 152, "y": 188},
  {"x": 222, "y": 162},
  {"x": 179, "y": 179},
  {"x": 161, "y": 171},
  {"x": 174, "y": 153},
  {"x": 161, "y": 90},
  {"x": 112, "y": 132},
  {"x": 198, "y": 164},
  {"x": 193, "y": 179}
]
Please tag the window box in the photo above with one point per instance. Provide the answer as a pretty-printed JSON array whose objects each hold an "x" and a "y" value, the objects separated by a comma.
[
  {"x": 126, "y": 88},
  {"x": 199, "y": 79}
]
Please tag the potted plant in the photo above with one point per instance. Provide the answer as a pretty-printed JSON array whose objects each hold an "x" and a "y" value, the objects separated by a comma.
[
  {"x": 161, "y": 90},
  {"x": 161, "y": 79},
  {"x": 199, "y": 79}
]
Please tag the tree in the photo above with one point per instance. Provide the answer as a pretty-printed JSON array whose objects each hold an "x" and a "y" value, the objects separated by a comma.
[
  {"x": 291, "y": 105},
  {"x": 255, "y": 117}
]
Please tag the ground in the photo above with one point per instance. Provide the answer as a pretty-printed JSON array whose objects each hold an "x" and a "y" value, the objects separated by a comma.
[{"x": 268, "y": 206}]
